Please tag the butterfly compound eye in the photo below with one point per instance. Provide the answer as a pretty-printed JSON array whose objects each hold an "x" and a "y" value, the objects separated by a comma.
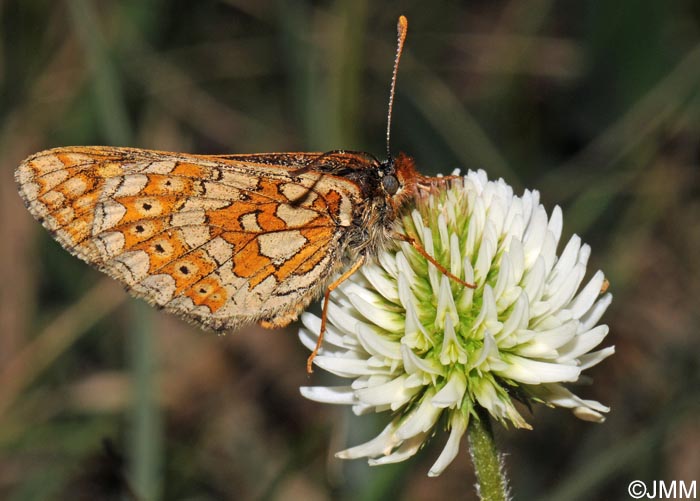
[{"x": 390, "y": 184}]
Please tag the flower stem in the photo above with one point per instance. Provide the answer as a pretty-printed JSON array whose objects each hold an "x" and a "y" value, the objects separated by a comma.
[{"x": 490, "y": 477}]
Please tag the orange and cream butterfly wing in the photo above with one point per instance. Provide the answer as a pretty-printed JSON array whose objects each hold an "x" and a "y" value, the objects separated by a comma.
[{"x": 219, "y": 240}]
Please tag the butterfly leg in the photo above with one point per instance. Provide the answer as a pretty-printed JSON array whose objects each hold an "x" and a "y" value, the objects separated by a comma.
[
  {"x": 324, "y": 312},
  {"x": 416, "y": 245}
]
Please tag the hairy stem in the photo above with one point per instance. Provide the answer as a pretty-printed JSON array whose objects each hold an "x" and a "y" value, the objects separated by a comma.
[{"x": 492, "y": 484}]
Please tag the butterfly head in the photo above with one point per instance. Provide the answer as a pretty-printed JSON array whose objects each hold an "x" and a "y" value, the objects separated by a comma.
[{"x": 399, "y": 179}]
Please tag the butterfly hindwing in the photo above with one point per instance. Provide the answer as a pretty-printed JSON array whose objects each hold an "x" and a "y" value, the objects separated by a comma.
[{"x": 220, "y": 240}]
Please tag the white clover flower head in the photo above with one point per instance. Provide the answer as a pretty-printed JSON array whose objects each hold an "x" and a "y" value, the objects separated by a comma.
[{"x": 424, "y": 347}]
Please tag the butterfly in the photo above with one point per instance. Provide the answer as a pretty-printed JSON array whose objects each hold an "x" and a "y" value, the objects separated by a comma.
[{"x": 225, "y": 240}]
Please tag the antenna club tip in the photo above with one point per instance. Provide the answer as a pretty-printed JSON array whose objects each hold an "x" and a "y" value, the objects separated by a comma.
[{"x": 402, "y": 25}]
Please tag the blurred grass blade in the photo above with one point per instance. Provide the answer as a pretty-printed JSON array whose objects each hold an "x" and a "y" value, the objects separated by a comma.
[
  {"x": 665, "y": 100},
  {"x": 105, "y": 81},
  {"x": 145, "y": 444},
  {"x": 146, "y": 434},
  {"x": 56, "y": 338},
  {"x": 453, "y": 122},
  {"x": 595, "y": 472}
]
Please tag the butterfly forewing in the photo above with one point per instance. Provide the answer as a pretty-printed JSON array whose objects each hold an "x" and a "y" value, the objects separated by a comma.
[{"x": 220, "y": 240}]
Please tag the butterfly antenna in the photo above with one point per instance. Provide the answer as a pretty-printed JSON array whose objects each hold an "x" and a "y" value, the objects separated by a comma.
[{"x": 401, "y": 28}]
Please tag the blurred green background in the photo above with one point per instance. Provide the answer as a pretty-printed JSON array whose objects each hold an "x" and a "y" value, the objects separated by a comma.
[{"x": 595, "y": 103}]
